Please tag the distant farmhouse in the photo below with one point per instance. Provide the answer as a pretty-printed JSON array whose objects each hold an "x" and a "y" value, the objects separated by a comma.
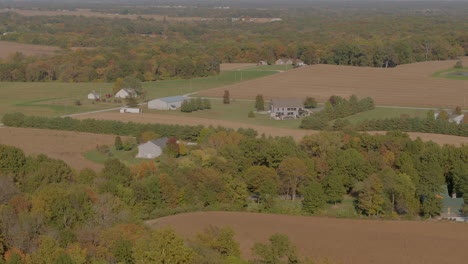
[
  {"x": 93, "y": 95},
  {"x": 166, "y": 103},
  {"x": 152, "y": 149},
  {"x": 262, "y": 62},
  {"x": 126, "y": 93},
  {"x": 452, "y": 206},
  {"x": 285, "y": 61},
  {"x": 287, "y": 108},
  {"x": 452, "y": 117}
]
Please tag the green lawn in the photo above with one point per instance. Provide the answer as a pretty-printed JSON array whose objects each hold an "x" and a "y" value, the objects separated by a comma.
[
  {"x": 54, "y": 98},
  {"x": 384, "y": 112},
  {"x": 446, "y": 74},
  {"x": 127, "y": 157},
  {"x": 236, "y": 111}
]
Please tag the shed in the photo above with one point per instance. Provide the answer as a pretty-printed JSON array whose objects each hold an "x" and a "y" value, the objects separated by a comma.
[
  {"x": 126, "y": 93},
  {"x": 152, "y": 148},
  {"x": 166, "y": 103},
  {"x": 93, "y": 95}
]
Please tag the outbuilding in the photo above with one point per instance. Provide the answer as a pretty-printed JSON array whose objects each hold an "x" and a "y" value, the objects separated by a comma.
[
  {"x": 152, "y": 148},
  {"x": 126, "y": 93},
  {"x": 166, "y": 103},
  {"x": 130, "y": 110},
  {"x": 93, "y": 95}
]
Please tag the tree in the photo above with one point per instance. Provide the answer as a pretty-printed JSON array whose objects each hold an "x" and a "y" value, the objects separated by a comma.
[
  {"x": 314, "y": 197},
  {"x": 371, "y": 197},
  {"x": 458, "y": 110},
  {"x": 146, "y": 136},
  {"x": 172, "y": 148},
  {"x": 280, "y": 250},
  {"x": 443, "y": 115},
  {"x": 292, "y": 172},
  {"x": 206, "y": 104},
  {"x": 12, "y": 160},
  {"x": 135, "y": 84},
  {"x": 251, "y": 114},
  {"x": 458, "y": 65},
  {"x": 333, "y": 187},
  {"x": 220, "y": 240},
  {"x": 226, "y": 97},
  {"x": 310, "y": 102},
  {"x": 123, "y": 251},
  {"x": 118, "y": 85},
  {"x": 118, "y": 143},
  {"x": 263, "y": 181},
  {"x": 162, "y": 247},
  {"x": 259, "y": 103},
  {"x": 117, "y": 172},
  {"x": 182, "y": 149}
]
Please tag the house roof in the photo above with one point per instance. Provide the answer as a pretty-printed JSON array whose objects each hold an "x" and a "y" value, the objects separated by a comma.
[
  {"x": 94, "y": 93},
  {"x": 160, "y": 142},
  {"x": 129, "y": 90},
  {"x": 449, "y": 201},
  {"x": 172, "y": 99},
  {"x": 287, "y": 102}
]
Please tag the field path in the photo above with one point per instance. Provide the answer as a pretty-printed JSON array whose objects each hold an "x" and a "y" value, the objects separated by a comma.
[
  {"x": 404, "y": 85},
  {"x": 273, "y": 131},
  {"x": 342, "y": 240}
]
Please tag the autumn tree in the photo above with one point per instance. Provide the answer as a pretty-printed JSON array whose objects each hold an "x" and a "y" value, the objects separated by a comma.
[
  {"x": 310, "y": 102},
  {"x": 219, "y": 239},
  {"x": 118, "y": 85},
  {"x": 226, "y": 97},
  {"x": 371, "y": 197},
  {"x": 293, "y": 172},
  {"x": 279, "y": 250}
]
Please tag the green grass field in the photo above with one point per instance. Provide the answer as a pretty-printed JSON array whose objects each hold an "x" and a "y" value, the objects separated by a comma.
[
  {"x": 446, "y": 74},
  {"x": 55, "y": 99},
  {"x": 127, "y": 157}
]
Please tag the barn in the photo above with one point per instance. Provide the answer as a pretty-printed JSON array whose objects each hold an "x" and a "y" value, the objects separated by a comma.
[
  {"x": 93, "y": 95},
  {"x": 166, "y": 103}
]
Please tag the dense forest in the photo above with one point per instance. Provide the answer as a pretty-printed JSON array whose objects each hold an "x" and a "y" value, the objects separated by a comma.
[
  {"x": 51, "y": 213},
  {"x": 158, "y": 49}
]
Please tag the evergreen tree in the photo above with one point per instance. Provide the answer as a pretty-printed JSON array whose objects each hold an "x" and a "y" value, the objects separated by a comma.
[
  {"x": 226, "y": 97},
  {"x": 259, "y": 103},
  {"x": 314, "y": 197},
  {"x": 333, "y": 187},
  {"x": 118, "y": 143}
]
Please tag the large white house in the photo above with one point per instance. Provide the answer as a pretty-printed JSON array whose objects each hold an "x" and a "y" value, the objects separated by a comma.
[
  {"x": 93, "y": 95},
  {"x": 166, "y": 103},
  {"x": 126, "y": 93},
  {"x": 152, "y": 149}
]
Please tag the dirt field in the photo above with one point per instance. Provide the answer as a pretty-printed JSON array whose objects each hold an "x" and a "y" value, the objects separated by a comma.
[
  {"x": 89, "y": 13},
  {"x": 341, "y": 240},
  {"x": 64, "y": 145},
  {"x": 273, "y": 131},
  {"x": 404, "y": 85},
  {"x": 235, "y": 66},
  {"x": 6, "y": 48}
]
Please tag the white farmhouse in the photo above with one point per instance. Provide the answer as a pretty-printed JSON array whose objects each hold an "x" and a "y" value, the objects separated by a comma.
[
  {"x": 93, "y": 95},
  {"x": 126, "y": 93},
  {"x": 166, "y": 103},
  {"x": 152, "y": 149}
]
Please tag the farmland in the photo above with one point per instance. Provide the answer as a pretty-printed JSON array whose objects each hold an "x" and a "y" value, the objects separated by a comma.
[
  {"x": 341, "y": 240},
  {"x": 404, "y": 85},
  {"x": 64, "y": 145},
  {"x": 7, "y": 48},
  {"x": 273, "y": 131}
]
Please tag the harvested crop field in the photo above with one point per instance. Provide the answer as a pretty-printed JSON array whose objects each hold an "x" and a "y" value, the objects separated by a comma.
[
  {"x": 235, "y": 66},
  {"x": 404, "y": 85},
  {"x": 273, "y": 131},
  {"x": 341, "y": 240},
  {"x": 65, "y": 145},
  {"x": 7, "y": 48}
]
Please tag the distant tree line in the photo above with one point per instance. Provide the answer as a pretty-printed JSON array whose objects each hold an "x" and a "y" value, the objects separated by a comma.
[
  {"x": 195, "y": 104},
  {"x": 336, "y": 107}
]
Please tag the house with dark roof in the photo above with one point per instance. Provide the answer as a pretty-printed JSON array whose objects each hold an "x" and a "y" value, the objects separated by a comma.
[
  {"x": 126, "y": 93},
  {"x": 93, "y": 95},
  {"x": 152, "y": 148},
  {"x": 287, "y": 108},
  {"x": 452, "y": 206},
  {"x": 166, "y": 103}
]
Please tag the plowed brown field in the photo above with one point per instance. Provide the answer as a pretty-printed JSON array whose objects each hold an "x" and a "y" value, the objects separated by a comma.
[
  {"x": 7, "y": 48},
  {"x": 65, "y": 145},
  {"x": 273, "y": 131},
  {"x": 404, "y": 85},
  {"x": 341, "y": 240}
]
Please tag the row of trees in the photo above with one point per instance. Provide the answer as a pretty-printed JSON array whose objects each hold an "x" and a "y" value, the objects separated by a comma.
[
  {"x": 336, "y": 107},
  {"x": 195, "y": 104}
]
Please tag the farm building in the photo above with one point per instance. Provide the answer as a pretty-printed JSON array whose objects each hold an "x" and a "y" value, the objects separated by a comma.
[
  {"x": 289, "y": 62},
  {"x": 262, "y": 62},
  {"x": 126, "y": 93},
  {"x": 287, "y": 108},
  {"x": 130, "y": 110},
  {"x": 166, "y": 103},
  {"x": 93, "y": 95},
  {"x": 152, "y": 149},
  {"x": 452, "y": 206},
  {"x": 452, "y": 117}
]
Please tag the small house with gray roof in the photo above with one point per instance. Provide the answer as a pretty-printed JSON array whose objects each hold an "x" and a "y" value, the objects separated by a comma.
[
  {"x": 152, "y": 149},
  {"x": 452, "y": 206},
  {"x": 126, "y": 93},
  {"x": 287, "y": 108},
  {"x": 166, "y": 103}
]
